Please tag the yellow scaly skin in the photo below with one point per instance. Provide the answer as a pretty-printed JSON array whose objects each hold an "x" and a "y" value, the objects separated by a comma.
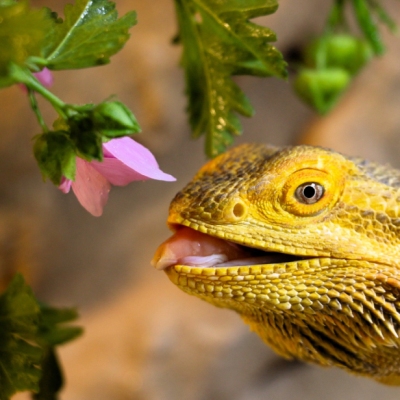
[{"x": 339, "y": 304}]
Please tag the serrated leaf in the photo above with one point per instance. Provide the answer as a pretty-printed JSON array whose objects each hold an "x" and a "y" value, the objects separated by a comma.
[
  {"x": 52, "y": 331},
  {"x": 18, "y": 307},
  {"x": 22, "y": 33},
  {"x": 52, "y": 328},
  {"x": 89, "y": 35},
  {"x": 219, "y": 42},
  {"x": 28, "y": 334},
  {"x": 19, "y": 358}
]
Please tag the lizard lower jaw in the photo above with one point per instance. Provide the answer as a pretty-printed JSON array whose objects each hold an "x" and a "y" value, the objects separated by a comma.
[{"x": 195, "y": 249}]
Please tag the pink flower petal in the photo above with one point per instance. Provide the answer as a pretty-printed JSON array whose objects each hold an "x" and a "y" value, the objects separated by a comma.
[
  {"x": 116, "y": 172},
  {"x": 45, "y": 77},
  {"x": 65, "y": 185},
  {"x": 124, "y": 161},
  {"x": 133, "y": 156},
  {"x": 90, "y": 187}
]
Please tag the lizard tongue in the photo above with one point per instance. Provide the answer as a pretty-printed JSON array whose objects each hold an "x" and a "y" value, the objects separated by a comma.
[{"x": 190, "y": 247}]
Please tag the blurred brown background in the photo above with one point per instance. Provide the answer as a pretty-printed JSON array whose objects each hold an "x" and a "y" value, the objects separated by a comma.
[{"x": 144, "y": 339}]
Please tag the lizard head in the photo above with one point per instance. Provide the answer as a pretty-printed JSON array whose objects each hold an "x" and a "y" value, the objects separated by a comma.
[{"x": 297, "y": 240}]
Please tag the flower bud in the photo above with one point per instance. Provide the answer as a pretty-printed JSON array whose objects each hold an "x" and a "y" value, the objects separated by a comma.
[
  {"x": 341, "y": 51},
  {"x": 321, "y": 88},
  {"x": 114, "y": 119}
]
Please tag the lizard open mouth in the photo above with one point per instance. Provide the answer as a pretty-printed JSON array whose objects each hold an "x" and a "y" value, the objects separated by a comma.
[{"x": 192, "y": 248}]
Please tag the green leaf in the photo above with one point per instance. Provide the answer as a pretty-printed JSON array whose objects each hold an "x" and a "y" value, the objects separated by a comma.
[
  {"x": 89, "y": 35},
  {"x": 55, "y": 155},
  {"x": 218, "y": 42},
  {"x": 52, "y": 330},
  {"x": 22, "y": 33},
  {"x": 28, "y": 334},
  {"x": 19, "y": 358},
  {"x": 6, "y": 3}
]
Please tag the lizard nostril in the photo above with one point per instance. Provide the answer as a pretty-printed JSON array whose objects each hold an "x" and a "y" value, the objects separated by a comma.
[
  {"x": 235, "y": 211},
  {"x": 239, "y": 210}
]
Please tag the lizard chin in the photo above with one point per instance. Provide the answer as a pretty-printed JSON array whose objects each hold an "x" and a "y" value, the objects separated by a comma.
[{"x": 195, "y": 249}]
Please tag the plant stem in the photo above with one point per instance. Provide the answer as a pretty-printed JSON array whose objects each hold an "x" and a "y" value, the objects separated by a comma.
[
  {"x": 21, "y": 75},
  {"x": 36, "y": 110},
  {"x": 336, "y": 16},
  {"x": 56, "y": 102}
]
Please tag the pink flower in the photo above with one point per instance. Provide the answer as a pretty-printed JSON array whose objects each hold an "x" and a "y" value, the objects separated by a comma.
[
  {"x": 44, "y": 76},
  {"x": 124, "y": 161}
]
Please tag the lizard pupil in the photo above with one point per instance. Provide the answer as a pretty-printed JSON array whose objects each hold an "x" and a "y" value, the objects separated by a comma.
[{"x": 309, "y": 193}]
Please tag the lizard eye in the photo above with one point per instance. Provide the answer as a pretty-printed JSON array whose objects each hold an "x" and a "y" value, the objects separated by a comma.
[{"x": 309, "y": 193}]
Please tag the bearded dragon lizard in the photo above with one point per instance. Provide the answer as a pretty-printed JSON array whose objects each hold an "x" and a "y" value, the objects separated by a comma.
[{"x": 302, "y": 242}]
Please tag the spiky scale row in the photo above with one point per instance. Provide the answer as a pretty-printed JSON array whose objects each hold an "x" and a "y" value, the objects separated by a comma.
[{"x": 338, "y": 306}]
